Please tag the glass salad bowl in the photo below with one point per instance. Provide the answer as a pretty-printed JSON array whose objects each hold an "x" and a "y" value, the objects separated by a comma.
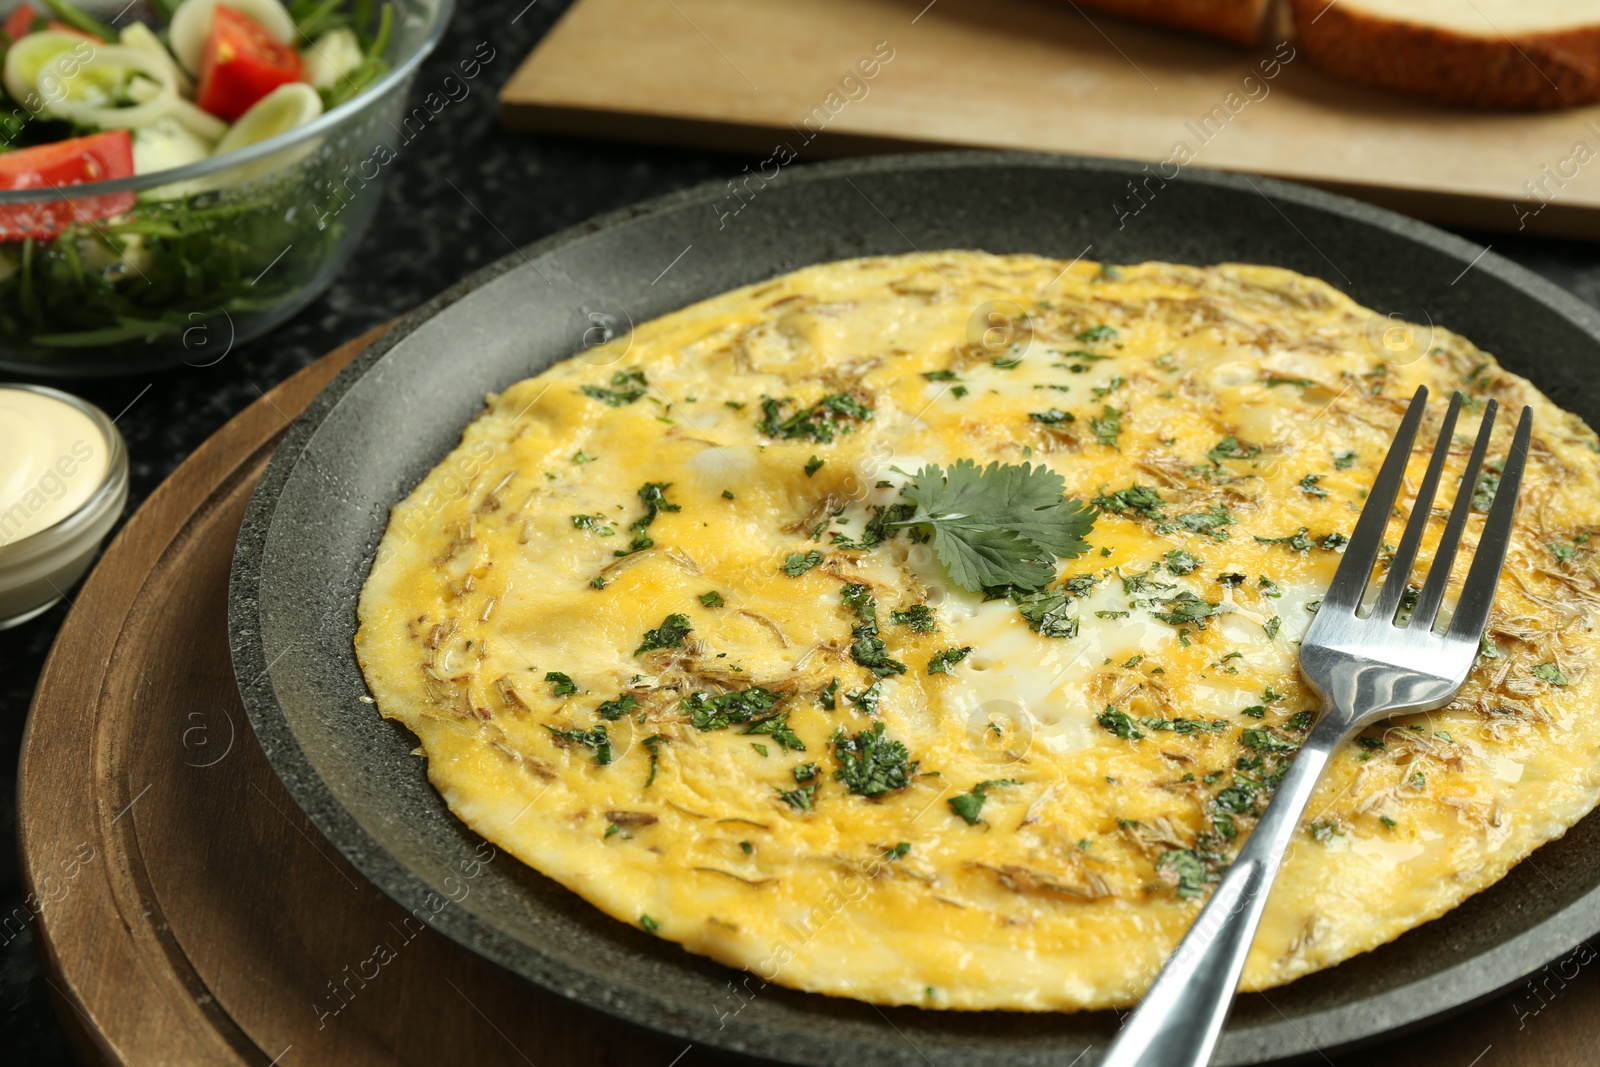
[{"x": 181, "y": 265}]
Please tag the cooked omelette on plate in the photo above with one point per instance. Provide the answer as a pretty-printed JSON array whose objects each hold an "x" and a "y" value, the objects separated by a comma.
[{"x": 923, "y": 629}]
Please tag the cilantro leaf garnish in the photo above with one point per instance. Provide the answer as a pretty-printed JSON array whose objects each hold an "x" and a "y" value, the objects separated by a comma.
[
  {"x": 968, "y": 805},
  {"x": 612, "y": 710},
  {"x": 817, "y": 423},
  {"x": 870, "y": 764},
  {"x": 630, "y": 386},
  {"x": 797, "y": 563},
  {"x": 727, "y": 709},
  {"x": 560, "y": 684},
  {"x": 777, "y": 727},
  {"x": 670, "y": 634},
  {"x": 943, "y": 661},
  {"x": 1000, "y": 525},
  {"x": 918, "y": 617},
  {"x": 595, "y": 739}
]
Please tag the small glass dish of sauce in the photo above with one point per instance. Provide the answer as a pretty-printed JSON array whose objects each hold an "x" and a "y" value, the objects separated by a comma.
[{"x": 63, "y": 483}]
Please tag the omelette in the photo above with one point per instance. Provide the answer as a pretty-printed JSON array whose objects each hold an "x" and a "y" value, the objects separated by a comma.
[{"x": 923, "y": 629}]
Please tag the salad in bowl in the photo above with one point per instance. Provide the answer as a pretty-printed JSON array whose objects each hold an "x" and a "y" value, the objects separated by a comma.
[{"x": 184, "y": 178}]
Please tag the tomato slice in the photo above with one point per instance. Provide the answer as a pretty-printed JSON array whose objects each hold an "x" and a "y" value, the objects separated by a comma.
[
  {"x": 241, "y": 64},
  {"x": 20, "y": 22},
  {"x": 96, "y": 158}
]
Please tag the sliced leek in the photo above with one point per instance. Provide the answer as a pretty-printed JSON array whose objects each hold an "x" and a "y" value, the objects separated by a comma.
[{"x": 280, "y": 111}]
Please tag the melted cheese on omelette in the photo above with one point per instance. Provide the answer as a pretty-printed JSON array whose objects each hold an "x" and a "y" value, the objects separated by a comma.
[{"x": 628, "y": 619}]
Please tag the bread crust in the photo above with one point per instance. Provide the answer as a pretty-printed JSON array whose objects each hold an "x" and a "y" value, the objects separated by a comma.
[
  {"x": 1527, "y": 72},
  {"x": 1232, "y": 20}
]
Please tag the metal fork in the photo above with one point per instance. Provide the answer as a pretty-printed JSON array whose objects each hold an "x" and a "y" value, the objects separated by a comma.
[{"x": 1364, "y": 668}]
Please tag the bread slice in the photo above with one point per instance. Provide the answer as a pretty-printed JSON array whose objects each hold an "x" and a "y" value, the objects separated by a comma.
[
  {"x": 1483, "y": 53},
  {"x": 1232, "y": 20}
]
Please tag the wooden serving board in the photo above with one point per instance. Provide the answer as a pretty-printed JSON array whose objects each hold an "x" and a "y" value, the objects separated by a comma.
[
  {"x": 783, "y": 79},
  {"x": 189, "y": 914}
]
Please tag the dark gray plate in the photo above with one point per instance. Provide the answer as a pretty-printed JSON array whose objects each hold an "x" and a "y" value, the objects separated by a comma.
[{"x": 313, "y": 526}]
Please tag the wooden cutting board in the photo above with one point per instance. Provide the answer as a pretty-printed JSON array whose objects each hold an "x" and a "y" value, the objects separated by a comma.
[
  {"x": 190, "y": 914},
  {"x": 804, "y": 79}
]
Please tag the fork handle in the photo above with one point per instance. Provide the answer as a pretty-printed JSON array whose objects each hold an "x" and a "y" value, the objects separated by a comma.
[{"x": 1180, "y": 1019}]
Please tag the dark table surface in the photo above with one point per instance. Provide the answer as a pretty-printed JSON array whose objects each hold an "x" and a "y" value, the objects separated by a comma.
[{"x": 521, "y": 187}]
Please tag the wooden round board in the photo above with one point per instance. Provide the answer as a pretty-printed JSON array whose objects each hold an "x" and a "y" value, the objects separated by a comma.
[{"x": 190, "y": 914}]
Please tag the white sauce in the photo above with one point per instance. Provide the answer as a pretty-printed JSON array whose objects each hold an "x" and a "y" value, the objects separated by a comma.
[{"x": 52, "y": 459}]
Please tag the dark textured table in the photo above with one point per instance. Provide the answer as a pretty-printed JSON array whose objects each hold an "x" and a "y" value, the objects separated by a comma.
[{"x": 464, "y": 193}]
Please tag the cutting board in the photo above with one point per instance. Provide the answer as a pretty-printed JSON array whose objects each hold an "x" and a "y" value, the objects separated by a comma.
[{"x": 794, "y": 80}]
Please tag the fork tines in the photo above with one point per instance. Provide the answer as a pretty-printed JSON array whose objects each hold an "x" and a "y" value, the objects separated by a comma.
[{"x": 1472, "y": 607}]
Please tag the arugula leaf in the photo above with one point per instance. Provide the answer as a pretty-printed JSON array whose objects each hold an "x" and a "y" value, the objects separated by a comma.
[{"x": 997, "y": 525}]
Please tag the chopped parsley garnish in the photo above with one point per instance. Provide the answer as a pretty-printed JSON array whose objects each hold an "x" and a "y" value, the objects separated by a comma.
[
  {"x": 1107, "y": 426},
  {"x": 798, "y": 563},
  {"x": 712, "y": 599},
  {"x": 728, "y": 709},
  {"x": 1180, "y": 562},
  {"x": 1273, "y": 380},
  {"x": 813, "y": 465},
  {"x": 760, "y": 749},
  {"x": 1231, "y": 579},
  {"x": 1271, "y": 626},
  {"x": 870, "y": 764},
  {"x": 1097, "y": 333},
  {"x": 612, "y": 710},
  {"x": 1053, "y": 417},
  {"x": 958, "y": 391},
  {"x": 727, "y": 494},
  {"x": 627, "y": 386},
  {"x": 650, "y": 925},
  {"x": 1120, "y": 723},
  {"x": 1000, "y": 525},
  {"x": 1550, "y": 673},
  {"x": 655, "y": 501},
  {"x": 1332, "y": 542},
  {"x": 1308, "y": 485},
  {"x": 819, "y": 423},
  {"x": 828, "y": 698},
  {"x": 898, "y": 852},
  {"x": 918, "y": 617},
  {"x": 670, "y": 634},
  {"x": 1138, "y": 500},
  {"x": 942, "y": 662},
  {"x": 969, "y": 805},
  {"x": 940, "y": 375},
  {"x": 595, "y": 739},
  {"x": 1345, "y": 460},
  {"x": 560, "y": 684},
  {"x": 1300, "y": 720},
  {"x": 1231, "y": 448},
  {"x": 1268, "y": 586}
]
